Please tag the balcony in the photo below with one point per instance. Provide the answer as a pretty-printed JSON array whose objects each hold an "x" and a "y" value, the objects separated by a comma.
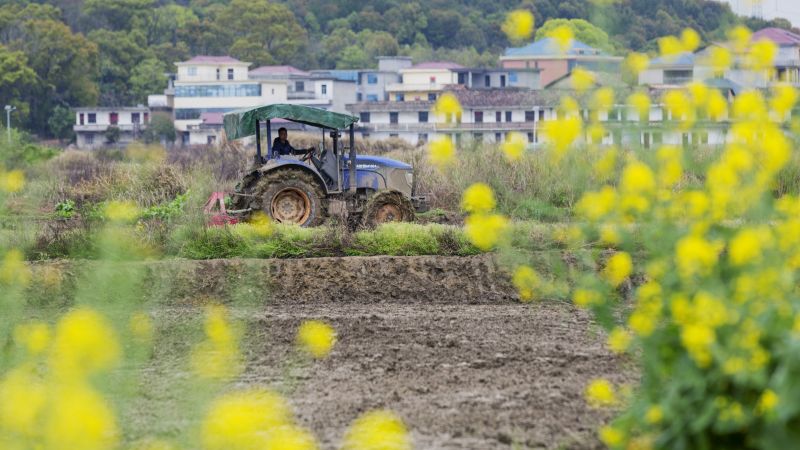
[
  {"x": 414, "y": 87},
  {"x": 301, "y": 95},
  {"x": 104, "y": 126},
  {"x": 433, "y": 127}
]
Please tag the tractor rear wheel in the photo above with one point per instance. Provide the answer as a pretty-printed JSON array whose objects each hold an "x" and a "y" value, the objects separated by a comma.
[
  {"x": 291, "y": 196},
  {"x": 387, "y": 206}
]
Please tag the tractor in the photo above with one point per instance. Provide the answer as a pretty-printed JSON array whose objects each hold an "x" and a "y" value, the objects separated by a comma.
[{"x": 328, "y": 180}]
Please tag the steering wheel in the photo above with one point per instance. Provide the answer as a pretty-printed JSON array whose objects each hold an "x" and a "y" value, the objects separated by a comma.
[{"x": 308, "y": 154}]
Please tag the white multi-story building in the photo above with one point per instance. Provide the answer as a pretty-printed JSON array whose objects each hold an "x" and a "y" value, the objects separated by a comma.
[
  {"x": 92, "y": 125},
  {"x": 216, "y": 84}
]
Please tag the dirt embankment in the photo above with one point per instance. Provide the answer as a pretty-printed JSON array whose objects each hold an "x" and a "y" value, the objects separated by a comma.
[{"x": 443, "y": 342}]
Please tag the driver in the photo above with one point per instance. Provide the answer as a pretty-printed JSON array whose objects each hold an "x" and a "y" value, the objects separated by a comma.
[{"x": 281, "y": 145}]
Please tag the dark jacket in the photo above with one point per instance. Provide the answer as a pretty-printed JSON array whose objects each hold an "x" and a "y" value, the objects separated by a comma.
[{"x": 284, "y": 148}]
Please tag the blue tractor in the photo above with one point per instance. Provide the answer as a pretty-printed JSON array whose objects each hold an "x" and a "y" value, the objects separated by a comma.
[{"x": 329, "y": 180}]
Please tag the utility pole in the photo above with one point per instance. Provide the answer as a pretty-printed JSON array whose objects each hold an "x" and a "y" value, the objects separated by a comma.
[{"x": 9, "y": 108}]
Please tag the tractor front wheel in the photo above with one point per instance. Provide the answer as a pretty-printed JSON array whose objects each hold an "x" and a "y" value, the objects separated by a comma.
[
  {"x": 291, "y": 196},
  {"x": 387, "y": 206}
]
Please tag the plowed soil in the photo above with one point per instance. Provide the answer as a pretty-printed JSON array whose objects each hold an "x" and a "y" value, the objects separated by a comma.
[{"x": 443, "y": 342}]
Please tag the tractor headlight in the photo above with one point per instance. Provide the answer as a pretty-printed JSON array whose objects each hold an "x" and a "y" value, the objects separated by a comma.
[{"x": 410, "y": 178}]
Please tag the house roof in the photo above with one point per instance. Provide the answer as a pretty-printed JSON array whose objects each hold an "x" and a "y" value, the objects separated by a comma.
[
  {"x": 338, "y": 75},
  {"x": 437, "y": 65},
  {"x": 549, "y": 47},
  {"x": 211, "y": 118},
  {"x": 682, "y": 59},
  {"x": 778, "y": 36},
  {"x": 601, "y": 79},
  {"x": 206, "y": 59},
  {"x": 278, "y": 70}
]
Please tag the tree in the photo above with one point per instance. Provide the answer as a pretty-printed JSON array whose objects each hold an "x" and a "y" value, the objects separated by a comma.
[
  {"x": 405, "y": 21},
  {"x": 16, "y": 80},
  {"x": 581, "y": 29},
  {"x": 261, "y": 23},
  {"x": 116, "y": 15},
  {"x": 148, "y": 77},
  {"x": 60, "y": 122},
  {"x": 112, "y": 134},
  {"x": 160, "y": 129},
  {"x": 120, "y": 52},
  {"x": 353, "y": 57}
]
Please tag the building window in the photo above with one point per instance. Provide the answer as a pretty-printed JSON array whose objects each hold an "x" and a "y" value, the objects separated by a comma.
[
  {"x": 530, "y": 116},
  {"x": 431, "y": 97},
  {"x": 502, "y": 81},
  {"x": 113, "y": 118},
  {"x": 192, "y": 71},
  {"x": 400, "y": 97},
  {"x": 646, "y": 140},
  {"x": 394, "y": 135},
  {"x": 364, "y": 117},
  {"x": 478, "y": 116},
  {"x": 541, "y": 114},
  {"x": 422, "y": 138},
  {"x": 372, "y": 78},
  {"x": 146, "y": 117},
  {"x": 462, "y": 79},
  {"x": 478, "y": 137},
  {"x": 678, "y": 76},
  {"x": 423, "y": 117},
  {"x": 530, "y": 137},
  {"x": 81, "y": 118},
  {"x": 299, "y": 86},
  {"x": 487, "y": 81},
  {"x": 135, "y": 117},
  {"x": 230, "y": 74},
  {"x": 433, "y": 80},
  {"x": 324, "y": 89},
  {"x": 393, "y": 116},
  {"x": 217, "y": 90},
  {"x": 498, "y": 137},
  {"x": 685, "y": 139},
  {"x": 508, "y": 116},
  {"x": 512, "y": 77},
  {"x": 90, "y": 138},
  {"x": 218, "y": 73},
  {"x": 92, "y": 118},
  {"x": 359, "y": 97},
  {"x": 498, "y": 116},
  {"x": 372, "y": 97},
  {"x": 211, "y": 139}
]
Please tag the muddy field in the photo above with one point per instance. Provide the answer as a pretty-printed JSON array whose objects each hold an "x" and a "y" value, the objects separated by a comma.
[{"x": 443, "y": 342}]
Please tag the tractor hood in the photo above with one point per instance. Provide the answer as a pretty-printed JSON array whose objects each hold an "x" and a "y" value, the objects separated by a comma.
[{"x": 363, "y": 161}]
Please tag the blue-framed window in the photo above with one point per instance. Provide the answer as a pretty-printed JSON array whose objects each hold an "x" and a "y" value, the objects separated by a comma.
[
  {"x": 219, "y": 90},
  {"x": 372, "y": 97},
  {"x": 194, "y": 113},
  {"x": 512, "y": 77},
  {"x": 372, "y": 78},
  {"x": 400, "y": 97}
]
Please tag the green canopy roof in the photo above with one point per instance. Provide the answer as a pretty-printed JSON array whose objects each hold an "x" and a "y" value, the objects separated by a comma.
[{"x": 242, "y": 122}]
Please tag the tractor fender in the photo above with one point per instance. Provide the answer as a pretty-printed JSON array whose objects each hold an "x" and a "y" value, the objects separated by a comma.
[
  {"x": 366, "y": 179},
  {"x": 275, "y": 164}
]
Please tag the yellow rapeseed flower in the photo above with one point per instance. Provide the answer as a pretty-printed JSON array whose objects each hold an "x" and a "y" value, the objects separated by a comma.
[
  {"x": 671, "y": 168},
  {"x": 636, "y": 62},
  {"x": 603, "y": 99},
  {"x": 595, "y": 133},
  {"x": 784, "y": 97},
  {"x": 22, "y": 401},
  {"x": 618, "y": 268},
  {"x": 720, "y": 59},
  {"x": 563, "y": 37},
  {"x": 562, "y": 133},
  {"x": 762, "y": 55},
  {"x": 695, "y": 256},
  {"x": 747, "y": 246},
  {"x": 583, "y": 79},
  {"x": 12, "y": 181},
  {"x": 527, "y": 282},
  {"x": 485, "y": 230},
  {"x": 750, "y": 105},
  {"x": 84, "y": 342},
  {"x": 33, "y": 336},
  {"x": 441, "y": 152},
  {"x": 681, "y": 107},
  {"x": 600, "y": 393},
  {"x": 690, "y": 40},
  {"x": 121, "y": 211},
  {"x": 717, "y": 106},
  {"x": 609, "y": 234},
  {"x": 14, "y": 270},
  {"x": 654, "y": 415},
  {"x": 518, "y": 25},
  {"x": 514, "y": 146},
  {"x": 698, "y": 339},
  {"x": 637, "y": 178},
  {"x": 239, "y": 419},
  {"x": 605, "y": 166},
  {"x": 595, "y": 205},
  {"x": 611, "y": 437},
  {"x": 289, "y": 437},
  {"x": 619, "y": 340},
  {"x": 640, "y": 101},
  {"x": 478, "y": 198},
  {"x": 217, "y": 357},
  {"x": 670, "y": 47},
  {"x": 739, "y": 37},
  {"x": 447, "y": 106},
  {"x": 316, "y": 337},
  {"x": 585, "y": 298},
  {"x": 79, "y": 418},
  {"x": 767, "y": 402},
  {"x": 377, "y": 430}
]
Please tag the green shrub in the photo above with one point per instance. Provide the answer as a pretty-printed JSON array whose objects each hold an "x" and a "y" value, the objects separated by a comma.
[{"x": 411, "y": 239}]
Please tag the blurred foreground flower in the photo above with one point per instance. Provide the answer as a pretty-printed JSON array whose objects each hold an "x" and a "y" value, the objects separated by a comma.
[
  {"x": 218, "y": 356},
  {"x": 562, "y": 37},
  {"x": 121, "y": 211},
  {"x": 85, "y": 342},
  {"x": 33, "y": 336},
  {"x": 527, "y": 282},
  {"x": 478, "y": 198},
  {"x": 600, "y": 393},
  {"x": 514, "y": 146},
  {"x": 636, "y": 62},
  {"x": 80, "y": 418},
  {"x": 377, "y": 430},
  {"x": 240, "y": 420},
  {"x": 618, "y": 268},
  {"x": 12, "y": 181},
  {"x": 316, "y": 337},
  {"x": 447, "y": 107},
  {"x": 485, "y": 230},
  {"x": 562, "y": 133},
  {"x": 441, "y": 152},
  {"x": 14, "y": 270},
  {"x": 518, "y": 25}
]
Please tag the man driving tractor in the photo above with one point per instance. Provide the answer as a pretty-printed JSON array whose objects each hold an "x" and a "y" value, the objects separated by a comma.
[{"x": 281, "y": 145}]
